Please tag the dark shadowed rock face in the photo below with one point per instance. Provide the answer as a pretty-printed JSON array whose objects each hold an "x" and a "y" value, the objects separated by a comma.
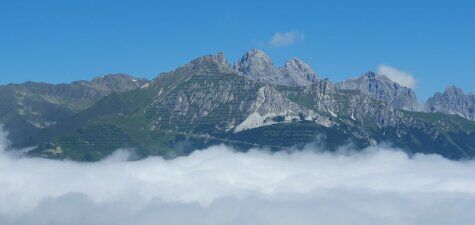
[
  {"x": 382, "y": 88},
  {"x": 256, "y": 65},
  {"x": 453, "y": 101}
]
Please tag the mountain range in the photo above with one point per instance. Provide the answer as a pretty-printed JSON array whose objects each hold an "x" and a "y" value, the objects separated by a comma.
[{"x": 251, "y": 103}]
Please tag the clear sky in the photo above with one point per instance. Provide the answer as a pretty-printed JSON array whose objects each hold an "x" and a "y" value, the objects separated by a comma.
[{"x": 61, "y": 41}]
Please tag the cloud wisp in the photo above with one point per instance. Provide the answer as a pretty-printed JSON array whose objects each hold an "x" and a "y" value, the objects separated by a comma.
[
  {"x": 286, "y": 38},
  {"x": 403, "y": 78},
  {"x": 221, "y": 186}
]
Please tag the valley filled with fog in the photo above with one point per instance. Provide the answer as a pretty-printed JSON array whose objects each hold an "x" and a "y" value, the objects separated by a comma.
[{"x": 219, "y": 185}]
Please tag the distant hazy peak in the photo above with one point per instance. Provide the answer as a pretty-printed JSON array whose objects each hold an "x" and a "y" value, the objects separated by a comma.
[
  {"x": 114, "y": 76},
  {"x": 112, "y": 83}
]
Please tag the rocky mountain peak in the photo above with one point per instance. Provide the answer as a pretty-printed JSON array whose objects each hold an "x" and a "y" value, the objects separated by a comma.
[
  {"x": 256, "y": 54},
  {"x": 257, "y": 65},
  {"x": 113, "y": 83},
  {"x": 453, "y": 91},
  {"x": 206, "y": 102},
  {"x": 218, "y": 60},
  {"x": 295, "y": 64},
  {"x": 453, "y": 101},
  {"x": 299, "y": 72},
  {"x": 370, "y": 75},
  {"x": 373, "y": 78},
  {"x": 209, "y": 63},
  {"x": 382, "y": 88},
  {"x": 111, "y": 77}
]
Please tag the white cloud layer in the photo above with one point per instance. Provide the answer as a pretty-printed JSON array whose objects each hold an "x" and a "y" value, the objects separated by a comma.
[
  {"x": 286, "y": 38},
  {"x": 220, "y": 186},
  {"x": 398, "y": 76}
]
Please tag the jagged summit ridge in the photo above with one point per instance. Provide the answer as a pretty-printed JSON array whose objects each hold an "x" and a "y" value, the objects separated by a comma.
[
  {"x": 453, "y": 101},
  {"x": 209, "y": 63},
  {"x": 300, "y": 72},
  {"x": 382, "y": 88},
  {"x": 257, "y": 65}
]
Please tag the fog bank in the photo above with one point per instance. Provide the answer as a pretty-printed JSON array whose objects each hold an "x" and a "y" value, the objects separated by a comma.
[{"x": 220, "y": 186}]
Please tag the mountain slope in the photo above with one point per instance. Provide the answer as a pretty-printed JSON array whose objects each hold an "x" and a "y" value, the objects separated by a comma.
[
  {"x": 29, "y": 107},
  {"x": 206, "y": 102}
]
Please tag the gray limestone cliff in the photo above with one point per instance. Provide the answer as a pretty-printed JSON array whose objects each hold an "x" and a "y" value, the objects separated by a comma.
[
  {"x": 382, "y": 88},
  {"x": 453, "y": 101},
  {"x": 256, "y": 65}
]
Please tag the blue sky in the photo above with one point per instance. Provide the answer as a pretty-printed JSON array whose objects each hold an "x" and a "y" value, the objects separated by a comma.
[{"x": 61, "y": 41}]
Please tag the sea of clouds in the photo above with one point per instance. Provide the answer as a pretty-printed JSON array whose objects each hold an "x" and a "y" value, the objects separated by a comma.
[{"x": 218, "y": 185}]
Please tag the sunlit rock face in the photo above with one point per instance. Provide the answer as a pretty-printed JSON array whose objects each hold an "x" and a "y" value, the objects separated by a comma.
[
  {"x": 207, "y": 101},
  {"x": 382, "y": 88},
  {"x": 257, "y": 65},
  {"x": 453, "y": 101}
]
